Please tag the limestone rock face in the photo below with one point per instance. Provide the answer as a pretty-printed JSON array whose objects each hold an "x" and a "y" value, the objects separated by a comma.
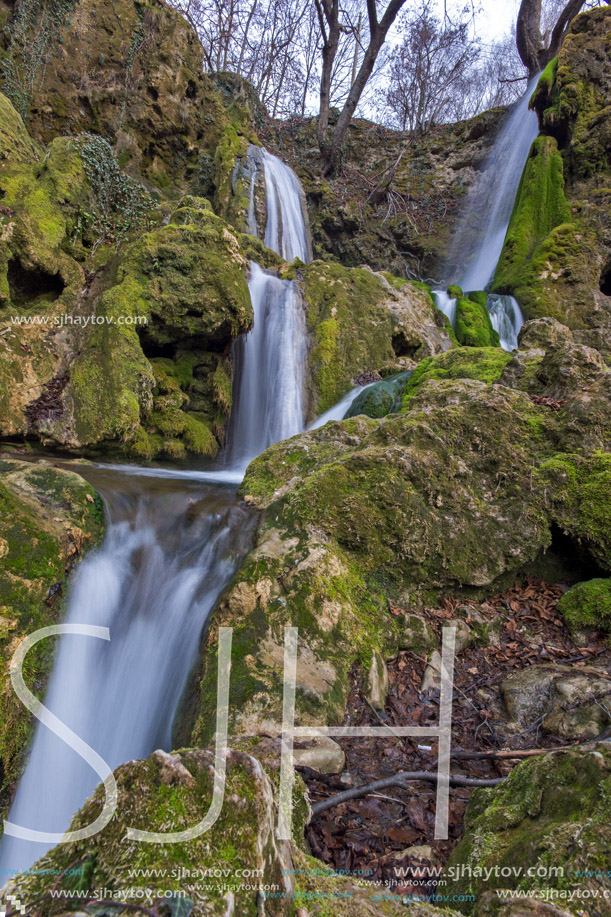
[
  {"x": 78, "y": 65},
  {"x": 433, "y": 170},
  {"x": 109, "y": 342},
  {"x": 48, "y": 518}
]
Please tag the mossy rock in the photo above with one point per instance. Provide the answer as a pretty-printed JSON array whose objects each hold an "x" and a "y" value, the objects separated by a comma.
[
  {"x": 241, "y": 849},
  {"x": 540, "y": 208},
  {"x": 547, "y": 824},
  {"x": 359, "y": 321},
  {"x": 587, "y": 605},
  {"x": 16, "y": 145},
  {"x": 48, "y": 518},
  {"x": 158, "y": 106},
  {"x": 556, "y": 251},
  {"x": 580, "y": 493},
  {"x": 473, "y": 327},
  {"x": 483, "y": 364},
  {"x": 379, "y": 399}
]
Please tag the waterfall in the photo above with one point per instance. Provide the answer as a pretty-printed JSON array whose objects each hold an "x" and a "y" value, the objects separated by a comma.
[
  {"x": 506, "y": 317},
  {"x": 269, "y": 377},
  {"x": 173, "y": 542},
  {"x": 167, "y": 555},
  {"x": 446, "y": 304},
  {"x": 269, "y": 370},
  {"x": 286, "y": 229},
  {"x": 478, "y": 241}
]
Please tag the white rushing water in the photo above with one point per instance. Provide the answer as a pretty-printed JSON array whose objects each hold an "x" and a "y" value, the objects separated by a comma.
[
  {"x": 269, "y": 379},
  {"x": 446, "y": 304},
  {"x": 478, "y": 241},
  {"x": 166, "y": 556},
  {"x": 286, "y": 229},
  {"x": 174, "y": 539},
  {"x": 506, "y": 317}
]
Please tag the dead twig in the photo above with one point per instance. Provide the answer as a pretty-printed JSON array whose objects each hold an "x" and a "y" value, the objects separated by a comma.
[{"x": 399, "y": 780}]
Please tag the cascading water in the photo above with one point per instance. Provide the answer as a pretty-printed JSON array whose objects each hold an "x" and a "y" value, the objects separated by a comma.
[
  {"x": 506, "y": 317},
  {"x": 268, "y": 407},
  {"x": 270, "y": 360},
  {"x": 478, "y": 242},
  {"x": 174, "y": 540},
  {"x": 446, "y": 304},
  {"x": 168, "y": 552}
]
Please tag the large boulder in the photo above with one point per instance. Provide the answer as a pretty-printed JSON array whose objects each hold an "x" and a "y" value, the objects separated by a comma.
[
  {"x": 360, "y": 321},
  {"x": 111, "y": 342},
  {"x": 546, "y": 831},
  {"x": 238, "y": 867}
]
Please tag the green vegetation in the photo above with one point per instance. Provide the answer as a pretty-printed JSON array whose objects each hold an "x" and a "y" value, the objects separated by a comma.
[
  {"x": 588, "y": 605},
  {"x": 483, "y": 364},
  {"x": 473, "y": 327},
  {"x": 541, "y": 207},
  {"x": 120, "y": 204},
  {"x": 532, "y": 821}
]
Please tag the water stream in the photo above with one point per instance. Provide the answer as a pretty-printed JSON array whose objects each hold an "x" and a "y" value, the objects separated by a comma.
[{"x": 478, "y": 241}]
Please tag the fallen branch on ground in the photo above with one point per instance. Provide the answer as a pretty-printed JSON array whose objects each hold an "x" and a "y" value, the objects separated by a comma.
[{"x": 399, "y": 779}]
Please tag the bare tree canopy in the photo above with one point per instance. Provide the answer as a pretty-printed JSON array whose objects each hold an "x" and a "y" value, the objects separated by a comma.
[{"x": 331, "y": 26}]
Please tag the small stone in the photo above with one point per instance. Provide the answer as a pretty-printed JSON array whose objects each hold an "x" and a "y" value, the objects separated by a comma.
[
  {"x": 378, "y": 682},
  {"x": 432, "y": 673},
  {"x": 321, "y": 754}
]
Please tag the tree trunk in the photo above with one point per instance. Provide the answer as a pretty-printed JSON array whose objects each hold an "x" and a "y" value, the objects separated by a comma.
[
  {"x": 377, "y": 32},
  {"x": 531, "y": 48}
]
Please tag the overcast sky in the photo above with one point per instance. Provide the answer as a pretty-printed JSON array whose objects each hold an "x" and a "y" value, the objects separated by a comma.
[{"x": 493, "y": 18}]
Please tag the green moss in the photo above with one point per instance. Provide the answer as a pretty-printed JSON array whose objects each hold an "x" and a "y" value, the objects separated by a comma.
[
  {"x": 350, "y": 331},
  {"x": 588, "y": 605},
  {"x": 530, "y": 824},
  {"x": 15, "y": 143},
  {"x": 473, "y": 327},
  {"x": 546, "y": 94},
  {"x": 230, "y": 198},
  {"x": 483, "y": 364},
  {"x": 454, "y": 291},
  {"x": 540, "y": 208},
  {"x": 478, "y": 296},
  {"x": 579, "y": 490}
]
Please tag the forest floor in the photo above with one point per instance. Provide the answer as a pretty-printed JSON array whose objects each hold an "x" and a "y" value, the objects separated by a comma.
[{"x": 391, "y": 833}]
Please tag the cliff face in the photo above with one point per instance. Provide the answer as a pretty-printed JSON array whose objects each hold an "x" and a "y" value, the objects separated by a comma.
[
  {"x": 557, "y": 255},
  {"x": 398, "y": 197}
]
